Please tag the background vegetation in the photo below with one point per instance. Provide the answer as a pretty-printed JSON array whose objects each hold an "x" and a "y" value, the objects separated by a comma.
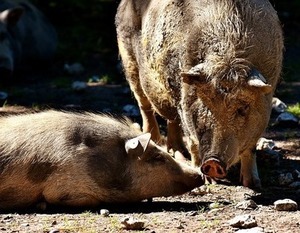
[
  {"x": 86, "y": 28},
  {"x": 86, "y": 31}
]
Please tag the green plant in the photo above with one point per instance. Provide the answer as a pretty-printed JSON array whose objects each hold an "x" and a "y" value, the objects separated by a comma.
[{"x": 294, "y": 109}]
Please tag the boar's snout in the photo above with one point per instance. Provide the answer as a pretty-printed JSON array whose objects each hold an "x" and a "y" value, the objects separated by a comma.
[{"x": 214, "y": 168}]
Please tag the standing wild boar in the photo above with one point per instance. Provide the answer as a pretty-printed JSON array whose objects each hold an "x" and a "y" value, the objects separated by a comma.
[
  {"x": 26, "y": 37},
  {"x": 210, "y": 68},
  {"x": 82, "y": 160}
]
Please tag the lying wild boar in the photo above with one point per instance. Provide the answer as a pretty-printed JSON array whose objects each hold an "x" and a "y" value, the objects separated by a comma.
[
  {"x": 26, "y": 37},
  {"x": 82, "y": 160},
  {"x": 210, "y": 68}
]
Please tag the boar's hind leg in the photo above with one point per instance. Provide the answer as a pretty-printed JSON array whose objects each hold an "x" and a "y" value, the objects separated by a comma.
[
  {"x": 249, "y": 172},
  {"x": 132, "y": 74}
]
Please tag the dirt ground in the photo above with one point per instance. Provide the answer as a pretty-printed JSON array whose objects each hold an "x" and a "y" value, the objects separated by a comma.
[{"x": 209, "y": 212}]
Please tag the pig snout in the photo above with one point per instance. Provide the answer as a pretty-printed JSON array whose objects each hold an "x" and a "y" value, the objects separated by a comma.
[{"x": 214, "y": 168}]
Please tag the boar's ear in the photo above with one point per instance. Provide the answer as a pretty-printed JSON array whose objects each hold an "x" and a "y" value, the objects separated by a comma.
[
  {"x": 194, "y": 75},
  {"x": 138, "y": 145},
  {"x": 11, "y": 16},
  {"x": 256, "y": 79}
]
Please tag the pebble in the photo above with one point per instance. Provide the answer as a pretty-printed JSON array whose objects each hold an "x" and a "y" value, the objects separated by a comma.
[
  {"x": 132, "y": 224},
  {"x": 278, "y": 106},
  {"x": 79, "y": 85},
  {"x": 243, "y": 221},
  {"x": 246, "y": 205},
  {"x": 285, "y": 205},
  {"x": 265, "y": 144},
  {"x": 285, "y": 179},
  {"x": 54, "y": 231},
  {"x": 104, "y": 212},
  {"x": 251, "y": 230},
  {"x": 202, "y": 190},
  {"x": 215, "y": 205},
  {"x": 287, "y": 119}
]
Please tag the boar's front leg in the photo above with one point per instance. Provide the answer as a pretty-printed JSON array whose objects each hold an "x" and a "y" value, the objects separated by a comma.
[
  {"x": 175, "y": 140},
  {"x": 249, "y": 173},
  {"x": 133, "y": 77}
]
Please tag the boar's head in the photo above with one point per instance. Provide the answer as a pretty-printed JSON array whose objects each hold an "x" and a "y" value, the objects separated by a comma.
[
  {"x": 155, "y": 173},
  {"x": 224, "y": 117},
  {"x": 9, "y": 46}
]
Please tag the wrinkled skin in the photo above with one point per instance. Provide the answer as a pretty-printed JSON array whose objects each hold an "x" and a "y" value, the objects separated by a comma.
[
  {"x": 83, "y": 160},
  {"x": 27, "y": 39},
  {"x": 210, "y": 68}
]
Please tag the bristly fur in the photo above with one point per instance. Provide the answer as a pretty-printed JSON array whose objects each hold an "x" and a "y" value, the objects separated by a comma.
[{"x": 226, "y": 40}]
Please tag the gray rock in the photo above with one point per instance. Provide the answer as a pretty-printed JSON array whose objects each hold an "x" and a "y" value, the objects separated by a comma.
[
  {"x": 104, "y": 212},
  {"x": 79, "y": 86},
  {"x": 243, "y": 221},
  {"x": 278, "y": 106},
  {"x": 246, "y": 205},
  {"x": 286, "y": 205},
  {"x": 287, "y": 119},
  {"x": 265, "y": 144}
]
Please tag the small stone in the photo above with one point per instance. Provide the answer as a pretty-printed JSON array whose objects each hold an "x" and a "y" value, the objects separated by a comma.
[
  {"x": 285, "y": 179},
  {"x": 54, "y": 231},
  {"x": 215, "y": 205},
  {"x": 180, "y": 226},
  {"x": 25, "y": 225},
  {"x": 133, "y": 224},
  {"x": 265, "y": 144},
  {"x": 191, "y": 214},
  {"x": 8, "y": 218},
  {"x": 104, "y": 212},
  {"x": 251, "y": 230},
  {"x": 286, "y": 205},
  {"x": 278, "y": 106},
  {"x": 287, "y": 119},
  {"x": 54, "y": 223},
  {"x": 243, "y": 221},
  {"x": 202, "y": 190},
  {"x": 79, "y": 86},
  {"x": 246, "y": 205}
]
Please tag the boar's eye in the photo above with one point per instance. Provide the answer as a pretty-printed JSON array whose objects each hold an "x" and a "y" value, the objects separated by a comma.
[{"x": 242, "y": 111}]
